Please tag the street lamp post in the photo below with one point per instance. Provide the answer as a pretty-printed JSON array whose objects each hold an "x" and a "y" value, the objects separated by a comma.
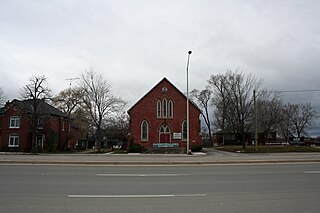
[{"x": 188, "y": 140}]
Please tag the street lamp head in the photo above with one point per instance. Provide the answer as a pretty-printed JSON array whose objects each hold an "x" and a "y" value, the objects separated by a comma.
[{"x": 189, "y": 52}]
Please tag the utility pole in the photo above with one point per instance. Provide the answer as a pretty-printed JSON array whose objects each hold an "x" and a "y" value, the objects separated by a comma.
[
  {"x": 188, "y": 126},
  {"x": 255, "y": 122}
]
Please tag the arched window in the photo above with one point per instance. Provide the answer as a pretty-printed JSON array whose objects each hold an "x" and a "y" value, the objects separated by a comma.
[
  {"x": 158, "y": 109},
  {"x": 184, "y": 130},
  {"x": 144, "y": 131},
  {"x": 164, "y": 129},
  {"x": 170, "y": 109},
  {"x": 164, "y": 108}
]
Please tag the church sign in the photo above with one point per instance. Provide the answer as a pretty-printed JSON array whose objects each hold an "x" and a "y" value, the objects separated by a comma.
[{"x": 177, "y": 136}]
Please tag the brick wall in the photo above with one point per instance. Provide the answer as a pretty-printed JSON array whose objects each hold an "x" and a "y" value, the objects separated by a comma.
[{"x": 146, "y": 109}]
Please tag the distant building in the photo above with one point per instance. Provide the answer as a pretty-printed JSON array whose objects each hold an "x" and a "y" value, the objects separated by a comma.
[
  {"x": 54, "y": 129},
  {"x": 230, "y": 138},
  {"x": 159, "y": 119}
]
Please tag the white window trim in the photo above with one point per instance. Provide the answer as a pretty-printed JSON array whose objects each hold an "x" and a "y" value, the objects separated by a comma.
[
  {"x": 183, "y": 123},
  {"x": 170, "y": 109},
  {"x": 159, "y": 109},
  {"x": 141, "y": 129},
  {"x": 16, "y": 122},
  {"x": 14, "y": 137},
  {"x": 164, "y": 108}
]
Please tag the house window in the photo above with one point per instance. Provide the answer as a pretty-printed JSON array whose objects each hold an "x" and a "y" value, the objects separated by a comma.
[
  {"x": 164, "y": 108},
  {"x": 170, "y": 109},
  {"x": 14, "y": 122},
  {"x": 184, "y": 130},
  {"x": 13, "y": 140},
  {"x": 144, "y": 131},
  {"x": 40, "y": 123},
  {"x": 62, "y": 126},
  {"x": 159, "y": 109}
]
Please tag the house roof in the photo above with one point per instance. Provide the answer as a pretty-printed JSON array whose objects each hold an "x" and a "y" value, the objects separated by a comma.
[
  {"x": 43, "y": 107},
  {"x": 163, "y": 80}
]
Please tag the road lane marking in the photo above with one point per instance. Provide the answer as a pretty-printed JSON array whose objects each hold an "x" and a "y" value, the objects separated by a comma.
[
  {"x": 136, "y": 196},
  {"x": 312, "y": 172},
  {"x": 140, "y": 175}
]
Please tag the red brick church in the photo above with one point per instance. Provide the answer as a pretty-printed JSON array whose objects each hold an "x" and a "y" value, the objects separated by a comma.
[{"x": 158, "y": 119}]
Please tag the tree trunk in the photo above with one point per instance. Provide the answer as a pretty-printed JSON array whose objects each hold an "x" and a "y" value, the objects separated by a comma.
[{"x": 243, "y": 140}]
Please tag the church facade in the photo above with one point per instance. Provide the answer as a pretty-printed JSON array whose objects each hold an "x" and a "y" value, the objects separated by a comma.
[{"x": 159, "y": 119}]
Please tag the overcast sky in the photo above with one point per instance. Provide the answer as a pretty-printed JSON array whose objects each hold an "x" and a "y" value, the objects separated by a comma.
[{"x": 135, "y": 43}]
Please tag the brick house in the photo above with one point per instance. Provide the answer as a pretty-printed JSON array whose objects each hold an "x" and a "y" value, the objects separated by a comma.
[
  {"x": 158, "y": 119},
  {"x": 55, "y": 131}
]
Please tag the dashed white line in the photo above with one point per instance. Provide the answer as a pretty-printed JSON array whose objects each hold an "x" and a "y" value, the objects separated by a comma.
[
  {"x": 141, "y": 175},
  {"x": 312, "y": 172},
  {"x": 136, "y": 196}
]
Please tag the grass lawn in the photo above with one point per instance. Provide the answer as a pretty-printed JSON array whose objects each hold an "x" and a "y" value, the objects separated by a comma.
[{"x": 269, "y": 149}]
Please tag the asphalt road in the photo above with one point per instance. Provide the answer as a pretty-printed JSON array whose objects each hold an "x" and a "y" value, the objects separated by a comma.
[{"x": 220, "y": 188}]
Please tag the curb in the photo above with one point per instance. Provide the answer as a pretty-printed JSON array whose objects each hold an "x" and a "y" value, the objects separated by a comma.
[{"x": 159, "y": 163}]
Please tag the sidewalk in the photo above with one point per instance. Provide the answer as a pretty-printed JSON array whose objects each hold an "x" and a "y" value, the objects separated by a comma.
[{"x": 211, "y": 157}]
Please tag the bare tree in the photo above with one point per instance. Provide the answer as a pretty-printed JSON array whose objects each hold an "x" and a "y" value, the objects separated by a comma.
[
  {"x": 269, "y": 111},
  {"x": 286, "y": 128},
  {"x": 99, "y": 101},
  {"x": 219, "y": 88},
  {"x": 36, "y": 90},
  {"x": 233, "y": 101},
  {"x": 302, "y": 116},
  {"x": 203, "y": 98},
  {"x": 117, "y": 128}
]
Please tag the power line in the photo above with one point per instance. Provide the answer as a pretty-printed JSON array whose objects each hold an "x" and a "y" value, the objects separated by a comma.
[{"x": 293, "y": 91}]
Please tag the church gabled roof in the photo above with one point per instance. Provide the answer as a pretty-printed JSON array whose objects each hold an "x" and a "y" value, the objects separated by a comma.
[{"x": 160, "y": 82}]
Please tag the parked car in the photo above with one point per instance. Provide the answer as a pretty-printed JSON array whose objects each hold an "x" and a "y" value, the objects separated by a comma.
[{"x": 297, "y": 143}]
